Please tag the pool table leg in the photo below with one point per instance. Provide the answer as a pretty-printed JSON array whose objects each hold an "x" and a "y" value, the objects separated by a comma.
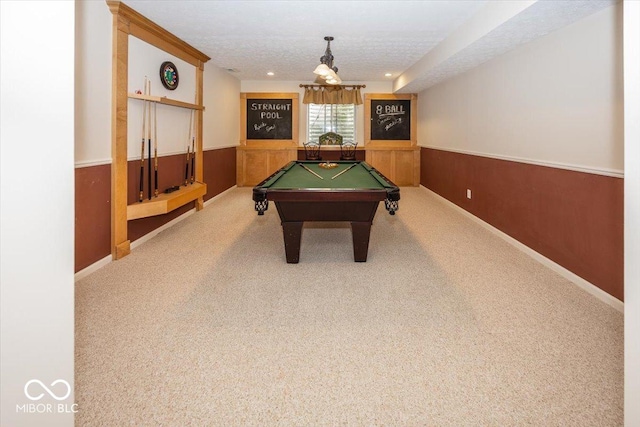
[
  {"x": 292, "y": 234},
  {"x": 360, "y": 231}
]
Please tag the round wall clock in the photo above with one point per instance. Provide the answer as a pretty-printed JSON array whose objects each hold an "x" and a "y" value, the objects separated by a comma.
[{"x": 169, "y": 75}]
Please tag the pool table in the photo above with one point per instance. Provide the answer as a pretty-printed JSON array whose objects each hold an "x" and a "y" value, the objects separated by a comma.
[{"x": 304, "y": 191}]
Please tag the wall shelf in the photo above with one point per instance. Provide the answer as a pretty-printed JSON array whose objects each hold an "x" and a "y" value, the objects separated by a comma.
[
  {"x": 166, "y": 203},
  {"x": 166, "y": 101}
]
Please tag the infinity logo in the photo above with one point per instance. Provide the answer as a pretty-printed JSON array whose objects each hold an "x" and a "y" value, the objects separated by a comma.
[{"x": 52, "y": 394}]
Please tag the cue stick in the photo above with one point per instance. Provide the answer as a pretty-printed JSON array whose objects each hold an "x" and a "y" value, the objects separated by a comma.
[
  {"x": 309, "y": 170},
  {"x": 144, "y": 116},
  {"x": 149, "y": 143},
  {"x": 340, "y": 173},
  {"x": 193, "y": 152},
  {"x": 186, "y": 166},
  {"x": 155, "y": 148}
]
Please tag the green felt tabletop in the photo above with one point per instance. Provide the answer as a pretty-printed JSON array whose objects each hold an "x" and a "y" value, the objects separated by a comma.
[{"x": 294, "y": 175}]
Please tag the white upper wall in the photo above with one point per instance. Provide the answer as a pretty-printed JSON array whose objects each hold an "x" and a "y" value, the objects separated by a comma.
[
  {"x": 556, "y": 100},
  {"x": 221, "y": 122},
  {"x": 93, "y": 94},
  {"x": 93, "y": 83},
  {"x": 251, "y": 86},
  {"x": 173, "y": 133},
  {"x": 632, "y": 214}
]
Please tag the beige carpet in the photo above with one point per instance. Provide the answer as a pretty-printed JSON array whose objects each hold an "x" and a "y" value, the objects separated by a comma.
[{"x": 445, "y": 325}]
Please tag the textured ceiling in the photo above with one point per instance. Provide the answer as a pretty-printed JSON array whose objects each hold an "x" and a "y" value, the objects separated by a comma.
[
  {"x": 371, "y": 37},
  {"x": 539, "y": 19}
]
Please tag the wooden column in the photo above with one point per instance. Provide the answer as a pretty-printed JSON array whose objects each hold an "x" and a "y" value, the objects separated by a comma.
[
  {"x": 120, "y": 245},
  {"x": 199, "y": 127}
]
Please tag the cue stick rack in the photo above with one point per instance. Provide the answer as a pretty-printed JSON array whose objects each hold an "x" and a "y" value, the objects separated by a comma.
[
  {"x": 166, "y": 203},
  {"x": 127, "y": 22}
]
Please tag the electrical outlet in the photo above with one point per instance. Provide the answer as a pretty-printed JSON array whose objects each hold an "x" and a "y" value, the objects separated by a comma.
[{"x": 468, "y": 193}]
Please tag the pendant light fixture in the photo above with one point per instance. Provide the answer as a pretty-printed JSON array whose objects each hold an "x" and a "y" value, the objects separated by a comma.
[{"x": 326, "y": 71}]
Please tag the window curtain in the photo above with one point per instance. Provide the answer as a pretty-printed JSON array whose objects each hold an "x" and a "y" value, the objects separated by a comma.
[{"x": 332, "y": 95}]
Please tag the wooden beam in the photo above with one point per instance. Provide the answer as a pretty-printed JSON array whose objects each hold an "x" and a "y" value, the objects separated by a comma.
[
  {"x": 150, "y": 32},
  {"x": 334, "y": 86}
]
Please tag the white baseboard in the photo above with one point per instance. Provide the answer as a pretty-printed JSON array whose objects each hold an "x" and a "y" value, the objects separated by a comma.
[
  {"x": 91, "y": 268},
  {"x": 106, "y": 260},
  {"x": 572, "y": 277}
]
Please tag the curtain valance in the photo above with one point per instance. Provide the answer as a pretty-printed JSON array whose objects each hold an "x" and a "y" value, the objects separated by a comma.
[{"x": 332, "y": 95}]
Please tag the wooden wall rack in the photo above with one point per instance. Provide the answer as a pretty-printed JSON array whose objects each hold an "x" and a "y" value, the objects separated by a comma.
[
  {"x": 126, "y": 22},
  {"x": 166, "y": 203},
  {"x": 166, "y": 101}
]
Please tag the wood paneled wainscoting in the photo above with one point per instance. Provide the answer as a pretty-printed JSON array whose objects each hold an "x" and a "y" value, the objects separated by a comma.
[
  {"x": 400, "y": 164},
  {"x": 255, "y": 163},
  {"x": 573, "y": 218},
  {"x": 329, "y": 153}
]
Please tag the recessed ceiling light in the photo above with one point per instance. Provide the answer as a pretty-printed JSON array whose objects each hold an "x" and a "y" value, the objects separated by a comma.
[
  {"x": 271, "y": 73},
  {"x": 387, "y": 74}
]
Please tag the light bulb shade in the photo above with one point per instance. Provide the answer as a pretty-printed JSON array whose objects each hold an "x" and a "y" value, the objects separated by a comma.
[
  {"x": 330, "y": 75},
  {"x": 333, "y": 80},
  {"x": 322, "y": 70}
]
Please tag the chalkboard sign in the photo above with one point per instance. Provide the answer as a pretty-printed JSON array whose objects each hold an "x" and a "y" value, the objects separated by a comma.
[
  {"x": 390, "y": 119},
  {"x": 269, "y": 118}
]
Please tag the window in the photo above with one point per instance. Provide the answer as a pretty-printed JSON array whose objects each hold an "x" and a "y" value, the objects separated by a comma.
[{"x": 338, "y": 118}]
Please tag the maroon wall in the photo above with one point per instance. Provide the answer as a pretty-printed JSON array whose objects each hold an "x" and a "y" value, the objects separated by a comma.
[
  {"x": 93, "y": 215},
  {"x": 219, "y": 170},
  {"x": 573, "y": 218},
  {"x": 93, "y": 198}
]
